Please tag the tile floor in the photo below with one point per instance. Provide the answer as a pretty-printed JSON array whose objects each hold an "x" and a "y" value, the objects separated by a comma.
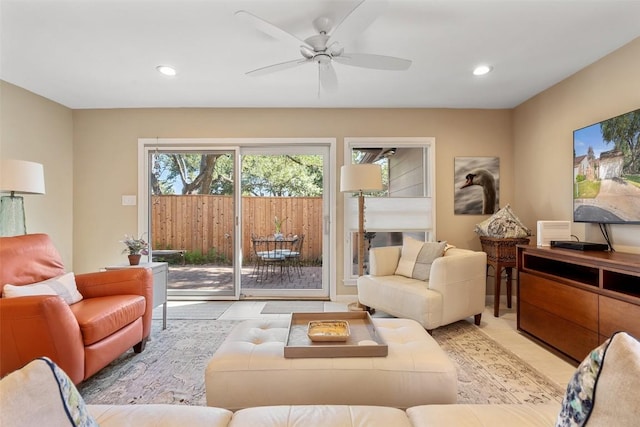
[{"x": 502, "y": 329}]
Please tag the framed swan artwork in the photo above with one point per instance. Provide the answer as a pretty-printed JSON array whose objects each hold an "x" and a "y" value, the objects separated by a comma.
[{"x": 477, "y": 185}]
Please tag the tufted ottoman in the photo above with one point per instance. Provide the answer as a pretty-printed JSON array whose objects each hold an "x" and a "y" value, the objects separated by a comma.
[{"x": 249, "y": 369}]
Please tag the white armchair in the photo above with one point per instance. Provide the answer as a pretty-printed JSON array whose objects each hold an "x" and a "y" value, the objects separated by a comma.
[{"x": 455, "y": 290}]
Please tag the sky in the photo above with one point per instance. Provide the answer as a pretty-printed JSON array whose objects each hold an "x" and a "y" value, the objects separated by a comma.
[{"x": 590, "y": 136}]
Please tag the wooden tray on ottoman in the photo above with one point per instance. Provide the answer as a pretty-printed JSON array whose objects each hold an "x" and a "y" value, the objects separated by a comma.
[{"x": 363, "y": 340}]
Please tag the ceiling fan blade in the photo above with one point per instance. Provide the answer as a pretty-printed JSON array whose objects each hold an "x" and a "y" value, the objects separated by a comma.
[
  {"x": 278, "y": 67},
  {"x": 377, "y": 62},
  {"x": 268, "y": 28},
  {"x": 357, "y": 20},
  {"x": 328, "y": 77}
]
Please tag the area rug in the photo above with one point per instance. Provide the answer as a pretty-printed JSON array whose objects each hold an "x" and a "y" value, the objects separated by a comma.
[
  {"x": 171, "y": 368},
  {"x": 286, "y": 307},
  {"x": 199, "y": 310},
  {"x": 489, "y": 373}
]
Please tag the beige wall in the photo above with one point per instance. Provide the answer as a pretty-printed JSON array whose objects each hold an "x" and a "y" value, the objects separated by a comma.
[
  {"x": 533, "y": 142},
  {"x": 543, "y": 140},
  {"x": 36, "y": 129},
  {"x": 105, "y": 150}
]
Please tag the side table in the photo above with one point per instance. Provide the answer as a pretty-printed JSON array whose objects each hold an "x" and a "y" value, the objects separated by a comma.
[
  {"x": 160, "y": 278},
  {"x": 501, "y": 254}
]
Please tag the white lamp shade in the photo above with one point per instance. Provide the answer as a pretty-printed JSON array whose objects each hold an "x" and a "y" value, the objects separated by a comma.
[
  {"x": 21, "y": 177},
  {"x": 360, "y": 177}
]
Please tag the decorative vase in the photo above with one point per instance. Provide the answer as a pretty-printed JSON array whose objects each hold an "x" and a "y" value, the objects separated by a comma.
[
  {"x": 134, "y": 259},
  {"x": 278, "y": 236}
]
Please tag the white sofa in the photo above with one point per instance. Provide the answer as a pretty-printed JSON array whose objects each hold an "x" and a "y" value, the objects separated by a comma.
[
  {"x": 455, "y": 290},
  {"x": 41, "y": 394},
  {"x": 327, "y": 416}
]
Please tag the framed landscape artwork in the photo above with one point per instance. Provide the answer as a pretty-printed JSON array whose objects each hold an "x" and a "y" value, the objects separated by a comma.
[{"x": 477, "y": 185}]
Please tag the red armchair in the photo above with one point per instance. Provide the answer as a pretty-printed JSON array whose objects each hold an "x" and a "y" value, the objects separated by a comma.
[{"x": 82, "y": 338}]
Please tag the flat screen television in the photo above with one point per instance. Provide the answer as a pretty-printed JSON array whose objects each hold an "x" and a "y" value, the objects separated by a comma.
[{"x": 606, "y": 171}]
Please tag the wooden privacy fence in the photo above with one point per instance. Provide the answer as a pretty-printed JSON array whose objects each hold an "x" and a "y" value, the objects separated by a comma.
[{"x": 204, "y": 223}]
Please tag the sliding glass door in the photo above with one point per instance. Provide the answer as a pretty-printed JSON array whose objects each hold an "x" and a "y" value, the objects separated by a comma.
[
  {"x": 192, "y": 220},
  {"x": 284, "y": 212},
  {"x": 207, "y": 201}
]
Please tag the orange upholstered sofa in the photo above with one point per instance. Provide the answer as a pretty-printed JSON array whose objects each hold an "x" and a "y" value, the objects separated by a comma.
[{"x": 113, "y": 315}]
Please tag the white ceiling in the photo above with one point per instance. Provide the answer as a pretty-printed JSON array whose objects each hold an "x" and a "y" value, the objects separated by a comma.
[{"x": 103, "y": 53}]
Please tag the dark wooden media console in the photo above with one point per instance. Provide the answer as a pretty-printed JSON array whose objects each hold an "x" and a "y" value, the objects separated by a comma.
[{"x": 574, "y": 300}]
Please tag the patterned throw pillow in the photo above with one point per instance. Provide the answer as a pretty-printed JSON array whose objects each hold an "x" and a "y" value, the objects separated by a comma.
[
  {"x": 416, "y": 258},
  {"x": 503, "y": 224},
  {"x": 71, "y": 399},
  {"x": 64, "y": 286},
  {"x": 605, "y": 389},
  {"x": 578, "y": 400}
]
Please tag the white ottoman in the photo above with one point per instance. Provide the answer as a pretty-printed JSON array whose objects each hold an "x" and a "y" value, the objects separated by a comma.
[{"x": 249, "y": 369}]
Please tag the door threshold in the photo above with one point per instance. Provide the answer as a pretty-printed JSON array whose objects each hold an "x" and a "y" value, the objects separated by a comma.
[{"x": 282, "y": 298}]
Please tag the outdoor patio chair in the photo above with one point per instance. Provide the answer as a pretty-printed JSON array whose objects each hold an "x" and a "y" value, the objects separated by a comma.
[
  {"x": 294, "y": 256},
  {"x": 267, "y": 258},
  {"x": 257, "y": 246}
]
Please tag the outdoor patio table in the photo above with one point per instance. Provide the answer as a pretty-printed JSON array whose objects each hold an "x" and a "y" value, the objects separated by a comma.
[{"x": 272, "y": 251}]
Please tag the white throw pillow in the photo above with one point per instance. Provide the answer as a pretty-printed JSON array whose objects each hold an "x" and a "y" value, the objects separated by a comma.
[
  {"x": 416, "y": 258},
  {"x": 64, "y": 286}
]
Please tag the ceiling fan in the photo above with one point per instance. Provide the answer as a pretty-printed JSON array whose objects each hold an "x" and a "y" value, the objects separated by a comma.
[{"x": 325, "y": 47}]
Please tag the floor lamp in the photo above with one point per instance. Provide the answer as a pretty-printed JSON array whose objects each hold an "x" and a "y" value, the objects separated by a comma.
[
  {"x": 357, "y": 178},
  {"x": 17, "y": 177}
]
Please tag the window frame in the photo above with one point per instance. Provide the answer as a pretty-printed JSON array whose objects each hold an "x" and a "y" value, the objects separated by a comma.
[{"x": 416, "y": 214}]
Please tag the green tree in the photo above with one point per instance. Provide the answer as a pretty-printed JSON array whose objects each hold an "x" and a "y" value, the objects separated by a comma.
[
  {"x": 285, "y": 175},
  {"x": 262, "y": 175},
  {"x": 187, "y": 173},
  {"x": 624, "y": 132}
]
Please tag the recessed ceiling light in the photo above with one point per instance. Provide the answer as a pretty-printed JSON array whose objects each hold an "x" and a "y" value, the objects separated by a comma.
[
  {"x": 167, "y": 70},
  {"x": 481, "y": 70}
]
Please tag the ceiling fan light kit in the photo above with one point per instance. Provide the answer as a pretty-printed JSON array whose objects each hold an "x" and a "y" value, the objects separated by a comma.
[{"x": 326, "y": 47}]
